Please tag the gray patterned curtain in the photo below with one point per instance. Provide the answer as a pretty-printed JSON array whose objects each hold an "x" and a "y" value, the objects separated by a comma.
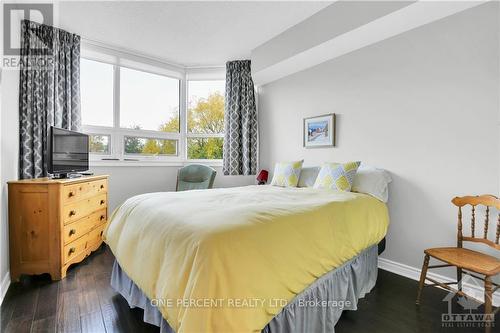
[
  {"x": 240, "y": 118},
  {"x": 49, "y": 92}
]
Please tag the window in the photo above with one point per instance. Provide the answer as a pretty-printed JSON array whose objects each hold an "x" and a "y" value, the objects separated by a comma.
[
  {"x": 147, "y": 113},
  {"x": 205, "y": 148},
  {"x": 100, "y": 144},
  {"x": 148, "y": 101},
  {"x": 146, "y": 146},
  {"x": 96, "y": 82},
  {"x": 205, "y": 119}
]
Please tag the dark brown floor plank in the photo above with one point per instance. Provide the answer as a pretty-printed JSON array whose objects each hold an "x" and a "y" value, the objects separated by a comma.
[
  {"x": 103, "y": 263},
  {"x": 69, "y": 283},
  {"x": 390, "y": 307},
  {"x": 6, "y": 310},
  {"x": 68, "y": 312},
  {"x": 88, "y": 300},
  {"x": 47, "y": 301},
  {"x": 127, "y": 317},
  {"x": 45, "y": 325},
  {"x": 103, "y": 288},
  {"x": 118, "y": 317},
  {"x": 111, "y": 318},
  {"x": 25, "y": 302},
  {"x": 92, "y": 322},
  {"x": 19, "y": 325}
]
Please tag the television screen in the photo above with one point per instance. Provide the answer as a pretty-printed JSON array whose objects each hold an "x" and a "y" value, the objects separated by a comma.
[{"x": 68, "y": 151}]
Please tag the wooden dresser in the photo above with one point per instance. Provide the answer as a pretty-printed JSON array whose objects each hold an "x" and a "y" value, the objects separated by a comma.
[{"x": 54, "y": 223}]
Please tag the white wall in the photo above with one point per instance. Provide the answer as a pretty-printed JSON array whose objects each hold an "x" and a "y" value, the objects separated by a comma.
[
  {"x": 9, "y": 154},
  {"x": 9, "y": 148},
  {"x": 423, "y": 105}
]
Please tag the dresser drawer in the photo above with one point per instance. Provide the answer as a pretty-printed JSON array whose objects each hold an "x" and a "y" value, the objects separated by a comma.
[
  {"x": 75, "y": 248},
  {"x": 80, "y": 209},
  {"x": 95, "y": 236},
  {"x": 79, "y": 228},
  {"x": 77, "y": 192},
  {"x": 84, "y": 243}
]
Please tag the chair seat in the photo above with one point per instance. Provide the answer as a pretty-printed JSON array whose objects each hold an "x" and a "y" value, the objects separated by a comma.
[{"x": 467, "y": 259}]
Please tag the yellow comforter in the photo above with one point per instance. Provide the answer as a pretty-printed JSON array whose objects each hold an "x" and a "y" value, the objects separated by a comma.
[{"x": 227, "y": 260}]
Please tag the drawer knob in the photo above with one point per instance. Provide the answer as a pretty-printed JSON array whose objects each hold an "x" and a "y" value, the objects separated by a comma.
[
  {"x": 73, "y": 212},
  {"x": 71, "y": 194},
  {"x": 103, "y": 202},
  {"x": 71, "y": 250},
  {"x": 72, "y": 232},
  {"x": 102, "y": 217}
]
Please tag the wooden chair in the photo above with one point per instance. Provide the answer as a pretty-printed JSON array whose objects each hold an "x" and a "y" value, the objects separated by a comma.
[{"x": 466, "y": 260}]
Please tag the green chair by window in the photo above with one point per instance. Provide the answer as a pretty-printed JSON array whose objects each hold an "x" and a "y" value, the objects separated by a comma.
[{"x": 195, "y": 177}]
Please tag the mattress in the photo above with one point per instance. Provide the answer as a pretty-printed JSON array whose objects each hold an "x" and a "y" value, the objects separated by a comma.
[{"x": 229, "y": 260}]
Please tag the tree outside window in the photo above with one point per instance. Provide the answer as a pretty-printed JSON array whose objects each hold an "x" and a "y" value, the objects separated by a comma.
[{"x": 205, "y": 115}]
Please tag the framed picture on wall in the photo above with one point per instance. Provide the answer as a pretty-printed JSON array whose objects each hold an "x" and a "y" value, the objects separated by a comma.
[{"x": 319, "y": 131}]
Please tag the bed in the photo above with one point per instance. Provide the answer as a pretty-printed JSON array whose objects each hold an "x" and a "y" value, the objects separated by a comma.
[{"x": 246, "y": 259}]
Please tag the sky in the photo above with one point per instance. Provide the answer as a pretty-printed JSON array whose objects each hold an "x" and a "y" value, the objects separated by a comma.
[
  {"x": 96, "y": 86},
  {"x": 147, "y": 100}
]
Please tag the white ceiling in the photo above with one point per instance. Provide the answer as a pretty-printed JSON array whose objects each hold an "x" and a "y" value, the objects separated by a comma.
[{"x": 185, "y": 33}]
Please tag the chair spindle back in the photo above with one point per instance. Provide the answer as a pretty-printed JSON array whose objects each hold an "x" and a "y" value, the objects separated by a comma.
[{"x": 484, "y": 200}]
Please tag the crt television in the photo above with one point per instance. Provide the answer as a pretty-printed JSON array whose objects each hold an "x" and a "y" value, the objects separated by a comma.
[{"x": 68, "y": 152}]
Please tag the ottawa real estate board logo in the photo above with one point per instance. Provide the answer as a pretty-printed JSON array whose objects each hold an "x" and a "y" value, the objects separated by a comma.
[{"x": 468, "y": 312}]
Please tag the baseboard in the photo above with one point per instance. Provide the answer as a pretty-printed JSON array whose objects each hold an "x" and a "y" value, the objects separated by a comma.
[
  {"x": 4, "y": 286},
  {"x": 414, "y": 274}
]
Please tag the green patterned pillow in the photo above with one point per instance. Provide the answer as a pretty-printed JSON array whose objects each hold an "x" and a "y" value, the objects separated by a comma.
[
  {"x": 337, "y": 176},
  {"x": 286, "y": 174}
]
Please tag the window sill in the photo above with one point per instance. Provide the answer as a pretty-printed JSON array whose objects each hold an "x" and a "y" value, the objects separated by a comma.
[{"x": 121, "y": 163}]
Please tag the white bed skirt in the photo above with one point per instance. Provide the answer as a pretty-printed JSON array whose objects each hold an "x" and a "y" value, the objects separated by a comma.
[{"x": 316, "y": 309}]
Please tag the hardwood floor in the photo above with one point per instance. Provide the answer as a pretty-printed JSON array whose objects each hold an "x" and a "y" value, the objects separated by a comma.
[{"x": 84, "y": 302}]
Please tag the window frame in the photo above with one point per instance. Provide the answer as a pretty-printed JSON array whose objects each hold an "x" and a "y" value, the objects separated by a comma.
[{"x": 117, "y": 156}]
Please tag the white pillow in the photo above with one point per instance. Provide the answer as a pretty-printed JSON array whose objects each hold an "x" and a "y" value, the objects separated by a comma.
[
  {"x": 308, "y": 176},
  {"x": 372, "y": 181}
]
